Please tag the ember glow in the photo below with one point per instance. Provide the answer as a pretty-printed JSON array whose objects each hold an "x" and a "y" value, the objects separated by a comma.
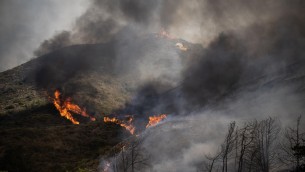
[
  {"x": 154, "y": 120},
  {"x": 66, "y": 108},
  {"x": 181, "y": 46},
  {"x": 126, "y": 124}
]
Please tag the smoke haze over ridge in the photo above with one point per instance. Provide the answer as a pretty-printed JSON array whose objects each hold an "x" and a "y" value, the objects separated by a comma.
[
  {"x": 247, "y": 41},
  {"x": 248, "y": 64},
  {"x": 25, "y": 24}
]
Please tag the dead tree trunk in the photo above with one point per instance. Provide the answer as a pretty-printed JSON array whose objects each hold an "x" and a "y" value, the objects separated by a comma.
[{"x": 227, "y": 146}]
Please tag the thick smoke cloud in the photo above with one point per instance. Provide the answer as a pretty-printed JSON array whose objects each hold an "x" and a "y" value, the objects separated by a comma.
[
  {"x": 215, "y": 72},
  {"x": 266, "y": 41},
  {"x": 25, "y": 24},
  {"x": 247, "y": 66},
  {"x": 245, "y": 73},
  {"x": 105, "y": 18}
]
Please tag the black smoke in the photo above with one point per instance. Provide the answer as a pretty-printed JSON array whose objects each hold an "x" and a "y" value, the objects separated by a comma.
[
  {"x": 233, "y": 61},
  {"x": 253, "y": 59},
  {"x": 169, "y": 81},
  {"x": 104, "y": 19}
]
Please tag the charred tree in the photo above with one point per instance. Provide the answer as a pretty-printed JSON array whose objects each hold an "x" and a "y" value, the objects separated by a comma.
[
  {"x": 228, "y": 146},
  {"x": 266, "y": 134},
  {"x": 132, "y": 157},
  {"x": 294, "y": 147},
  {"x": 246, "y": 137},
  {"x": 250, "y": 148},
  {"x": 209, "y": 166}
]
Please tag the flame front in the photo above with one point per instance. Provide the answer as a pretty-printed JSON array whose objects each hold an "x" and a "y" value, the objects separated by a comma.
[
  {"x": 154, "y": 120},
  {"x": 126, "y": 124},
  {"x": 65, "y": 108}
]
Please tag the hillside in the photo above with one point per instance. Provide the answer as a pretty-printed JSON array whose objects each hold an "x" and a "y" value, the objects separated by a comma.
[
  {"x": 140, "y": 76},
  {"x": 34, "y": 137}
]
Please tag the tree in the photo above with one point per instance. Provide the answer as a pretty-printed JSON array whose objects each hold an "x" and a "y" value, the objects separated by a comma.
[
  {"x": 293, "y": 147},
  {"x": 132, "y": 157},
  {"x": 266, "y": 134},
  {"x": 211, "y": 161},
  {"x": 227, "y": 146},
  {"x": 138, "y": 157},
  {"x": 254, "y": 146},
  {"x": 224, "y": 153},
  {"x": 246, "y": 136}
]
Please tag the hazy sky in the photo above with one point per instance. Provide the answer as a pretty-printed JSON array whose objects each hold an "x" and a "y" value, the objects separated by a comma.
[
  {"x": 244, "y": 42},
  {"x": 25, "y": 24}
]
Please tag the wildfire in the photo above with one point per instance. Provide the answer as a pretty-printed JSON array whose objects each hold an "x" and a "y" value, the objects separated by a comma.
[
  {"x": 66, "y": 107},
  {"x": 181, "y": 46},
  {"x": 154, "y": 120},
  {"x": 126, "y": 124}
]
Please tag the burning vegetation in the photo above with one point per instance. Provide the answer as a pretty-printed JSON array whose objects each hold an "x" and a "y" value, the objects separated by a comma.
[
  {"x": 126, "y": 124},
  {"x": 66, "y": 108},
  {"x": 154, "y": 120},
  {"x": 245, "y": 60}
]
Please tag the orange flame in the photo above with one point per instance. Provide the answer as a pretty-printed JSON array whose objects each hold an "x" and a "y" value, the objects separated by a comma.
[
  {"x": 65, "y": 108},
  {"x": 126, "y": 124},
  {"x": 154, "y": 120}
]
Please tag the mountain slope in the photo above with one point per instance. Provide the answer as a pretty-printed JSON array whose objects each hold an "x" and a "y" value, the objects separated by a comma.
[
  {"x": 34, "y": 137},
  {"x": 140, "y": 75}
]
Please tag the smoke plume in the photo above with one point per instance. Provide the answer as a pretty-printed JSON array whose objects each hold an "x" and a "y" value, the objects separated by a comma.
[
  {"x": 247, "y": 63},
  {"x": 25, "y": 24}
]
